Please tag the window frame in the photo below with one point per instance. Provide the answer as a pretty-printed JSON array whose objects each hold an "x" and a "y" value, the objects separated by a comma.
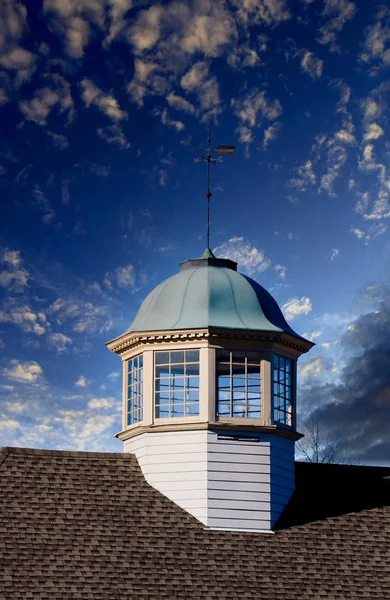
[
  {"x": 282, "y": 407},
  {"x": 138, "y": 397},
  {"x": 185, "y": 389},
  {"x": 258, "y": 363}
]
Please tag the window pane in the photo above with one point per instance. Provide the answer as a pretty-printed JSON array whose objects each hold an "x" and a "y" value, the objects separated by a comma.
[
  {"x": 224, "y": 369},
  {"x": 239, "y": 410},
  {"x": 192, "y": 356},
  {"x": 238, "y": 370},
  {"x": 134, "y": 390},
  {"x": 162, "y": 358},
  {"x": 192, "y": 369},
  {"x": 178, "y": 410},
  {"x": 192, "y": 382},
  {"x": 224, "y": 409},
  {"x": 254, "y": 414},
  {"x": 176, "y": 382},
  {"x": 162, "y": 412},
  {"x": 224, "y": 382},
  {"x": 192, "y": 410},
  {"x": 177, "y": 369},
  {"x": 239, "y": 384},
  {"x": 162, "y": 371},
  {"x": 177, "y": 357},
  {"x": 282, "y": 391}
]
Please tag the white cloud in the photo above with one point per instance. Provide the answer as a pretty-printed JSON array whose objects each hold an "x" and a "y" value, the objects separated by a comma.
[
  {"x": 295, "y": 307},
  {"x": 376, "y": 47},
  {"x": 114, "y": 135},
  {"x": 95, "y": 426},
  {"x": 123, "y": 277},
  {"x": 255, "y": 106},
  {"x": 114, "y": 375},
  {"x": 199, "y": 81},
  {"x": 242, "y": 56},
  {"x": 83, "y": 315},
  {"x": 10, "y": 424},
  {"x": 312, "y": 65},
  {"x": 318, "y": 366},
  {"x": 43, "y": 205},
  {"x": 271, "y": 133},
  {"x": 25, "y": 318},
  {"x": 180, "y": 103},
  {"x": 59, "y": 141},
  {"x": 336, "y": 158},
  {"x": 145, "y": 32},
  {"x": 19, "y": 60},
  {"x": 183, "y": 30},
  {"x": 106, "y": 103},
  {"x": 253, "y": 12},
  {"x": 102, "y": 403},
  {"x": 335, "y": 253},
  {"x": 305, "y": 177},
  {"x": 59, "y": 341},
  {"x": 23, "y": 372},
  {"x": 281, "y": 271},
  {"x": 167, "y": 120},
  {"x": 340, "y": 12},
  {"x": 13, "y": 276},
  {"x": 373, "y": 132},
  {"x": 345, "y": 136},
  {"x": 82, "y": 382},
  {"x": 312, "y": 335},
  {"x": 249, "y": 258},
  {"x": 358, "y": 232},
  {"x": 146, "y": 81},
  {"x": 57, "y": 94}
]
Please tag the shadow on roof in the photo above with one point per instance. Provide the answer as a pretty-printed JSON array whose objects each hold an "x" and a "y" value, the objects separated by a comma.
[{"x": 324, "y": 491}]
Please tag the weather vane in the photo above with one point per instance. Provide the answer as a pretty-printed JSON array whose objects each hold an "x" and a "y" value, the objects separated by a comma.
[{"x": 207, "y": 158}]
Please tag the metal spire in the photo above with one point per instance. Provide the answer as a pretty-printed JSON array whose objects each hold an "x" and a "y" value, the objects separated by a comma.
[{"x": 210, "y": 160}]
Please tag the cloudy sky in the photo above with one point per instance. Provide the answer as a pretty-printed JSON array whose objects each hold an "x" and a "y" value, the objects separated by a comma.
[{"x": 101, "y": 102}]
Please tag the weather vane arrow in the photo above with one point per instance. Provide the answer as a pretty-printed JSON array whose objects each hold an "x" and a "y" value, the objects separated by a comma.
[{"x": 210, "y": 160}]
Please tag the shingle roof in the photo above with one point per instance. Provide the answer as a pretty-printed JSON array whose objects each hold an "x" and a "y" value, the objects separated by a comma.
[{"x": 80, "y": 525}]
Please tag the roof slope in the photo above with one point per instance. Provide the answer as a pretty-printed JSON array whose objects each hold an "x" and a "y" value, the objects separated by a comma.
[{"x": 87, "y": 526}]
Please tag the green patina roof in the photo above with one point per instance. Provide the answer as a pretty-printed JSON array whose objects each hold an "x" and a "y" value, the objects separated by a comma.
[{"x": 209, "y": 292}]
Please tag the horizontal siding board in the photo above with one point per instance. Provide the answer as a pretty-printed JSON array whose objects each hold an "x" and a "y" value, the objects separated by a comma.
[
  {"x": 185, "y": 486},
  {"x": 249, "y": 486},
  {"x": 238, "y": 458},
  {"x": 223, "y": 467},
  {"x": 230, "y": 504},
  {"x": 152, "y": 467},
  {"x": 255, "y": 524},
  {"x": 242, "y": 495},
  {"x": 176, "y": 477},
  {"x": 239, "y": 514},
  {"x": 234, "y": 476},
  {"x": 238, "y": 448}
]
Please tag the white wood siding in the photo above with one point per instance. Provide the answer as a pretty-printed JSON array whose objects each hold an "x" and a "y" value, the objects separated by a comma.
[{"x": 226, "y": 484}]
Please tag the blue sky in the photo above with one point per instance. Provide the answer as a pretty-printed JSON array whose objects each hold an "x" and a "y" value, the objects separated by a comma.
[{"x": 100, "y": 104}]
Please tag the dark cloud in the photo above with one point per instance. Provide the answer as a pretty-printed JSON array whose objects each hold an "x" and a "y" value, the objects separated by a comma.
[{"x": 356, "y": 409}]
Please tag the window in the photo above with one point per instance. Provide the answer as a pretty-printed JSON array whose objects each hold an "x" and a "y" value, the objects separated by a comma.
[
  {"x": 282, "y": 382},
  {"x": 177, "y": 384},
  {"x": 134, "y": 390},
  {"x": 239, "y": 384}
]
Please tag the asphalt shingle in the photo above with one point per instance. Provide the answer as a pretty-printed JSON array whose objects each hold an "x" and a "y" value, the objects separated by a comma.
[{"x": 87, "y": 525}]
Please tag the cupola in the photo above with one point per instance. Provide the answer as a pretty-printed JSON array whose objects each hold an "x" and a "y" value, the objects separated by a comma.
[{"x": 209, "y": 395}]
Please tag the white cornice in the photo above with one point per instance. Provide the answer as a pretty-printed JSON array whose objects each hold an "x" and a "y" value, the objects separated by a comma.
[{"x": 132, "y": 340}]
